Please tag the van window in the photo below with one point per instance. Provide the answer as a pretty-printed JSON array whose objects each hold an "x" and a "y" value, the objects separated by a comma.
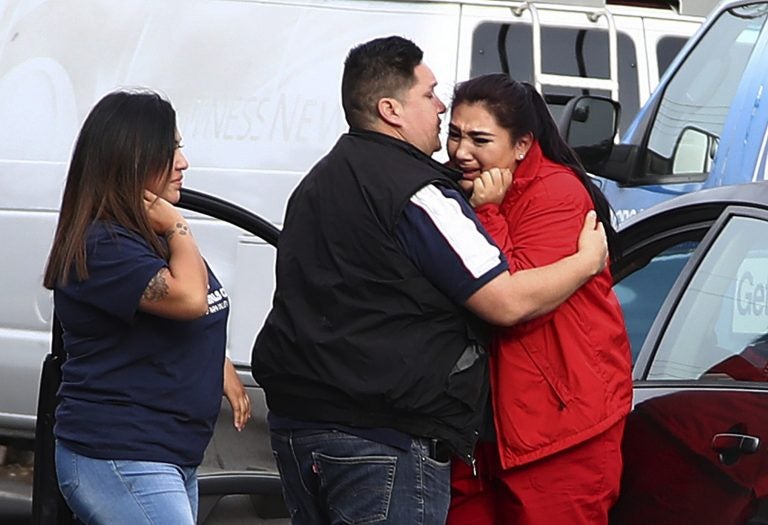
[
  {"x": 565, "y": 51},
  {"x": 692, "y": 111},
  {"x": 667, "y": 49}
]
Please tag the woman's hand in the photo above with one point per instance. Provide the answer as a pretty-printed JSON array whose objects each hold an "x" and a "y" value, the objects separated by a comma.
[
  {"x": 490, "y": 187},
  {"x": 163, "y": 216},
  {"x": 236, "y": 395}
]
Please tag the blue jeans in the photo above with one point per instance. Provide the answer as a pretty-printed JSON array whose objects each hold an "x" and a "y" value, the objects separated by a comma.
[
  {"x": 104, "y": 491},
  {"x": 330, "y": 477}
]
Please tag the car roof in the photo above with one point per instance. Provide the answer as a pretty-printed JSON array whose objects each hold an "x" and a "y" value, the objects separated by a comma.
[{"x": 705, "y": 203}]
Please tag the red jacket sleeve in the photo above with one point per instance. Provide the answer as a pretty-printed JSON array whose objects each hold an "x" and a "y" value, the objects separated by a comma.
[{"x": 541, "y": 225}]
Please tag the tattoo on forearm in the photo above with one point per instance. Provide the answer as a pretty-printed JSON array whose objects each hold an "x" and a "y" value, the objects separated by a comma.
[
  {"x": 180, "y": 228},
  {"x": 157, "y": 289}
]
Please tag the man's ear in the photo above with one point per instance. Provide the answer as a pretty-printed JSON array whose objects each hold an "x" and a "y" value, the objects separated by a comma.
[{"x": 390, "y": 111}]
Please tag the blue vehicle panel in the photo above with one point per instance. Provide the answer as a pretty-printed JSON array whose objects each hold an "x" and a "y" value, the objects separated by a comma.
[
  {"x": 744, "y": 131},
  {"x": 704, "y": 125}
]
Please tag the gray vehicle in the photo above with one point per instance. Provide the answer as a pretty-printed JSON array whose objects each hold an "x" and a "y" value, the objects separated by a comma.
[{"x": 693, "y": 282}]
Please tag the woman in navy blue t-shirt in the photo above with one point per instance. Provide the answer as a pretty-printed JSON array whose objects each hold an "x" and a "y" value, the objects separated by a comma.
[{"x": 144, "y": 323}]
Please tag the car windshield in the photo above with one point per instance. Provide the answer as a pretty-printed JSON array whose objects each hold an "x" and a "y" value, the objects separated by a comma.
[{"x": 699, "y": 96}]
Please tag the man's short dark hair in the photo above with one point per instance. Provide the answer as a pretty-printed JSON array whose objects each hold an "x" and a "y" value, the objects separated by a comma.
[{"x": 380, "y": 68}]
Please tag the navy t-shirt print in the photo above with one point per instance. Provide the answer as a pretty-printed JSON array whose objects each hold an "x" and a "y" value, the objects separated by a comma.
[
  {"x": 136, "y": 386},
  {"x": 217, "y": 299}
]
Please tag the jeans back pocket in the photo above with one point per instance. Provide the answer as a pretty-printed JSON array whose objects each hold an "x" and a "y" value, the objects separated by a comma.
[{"x": 359, "y": 488}]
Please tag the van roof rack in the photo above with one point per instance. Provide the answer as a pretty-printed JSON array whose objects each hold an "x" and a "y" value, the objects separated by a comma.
[
  {"x": 586, "y": 4},
  {"x": 684, "y": 7},
  {"x": 594, "y": 10}
]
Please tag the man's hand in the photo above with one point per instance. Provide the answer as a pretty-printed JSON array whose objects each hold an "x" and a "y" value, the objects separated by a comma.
[
  {"x": 236, "y": 395},
  {"x": 593, "y": 243}
]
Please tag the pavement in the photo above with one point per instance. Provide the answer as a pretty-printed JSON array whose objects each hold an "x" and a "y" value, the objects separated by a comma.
[
  {"x": 15, "y": 493},
  {"x": 224, "y": 452}
]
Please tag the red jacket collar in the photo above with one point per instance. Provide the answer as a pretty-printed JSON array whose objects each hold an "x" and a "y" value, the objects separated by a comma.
[{"x": 529, "y": 169}]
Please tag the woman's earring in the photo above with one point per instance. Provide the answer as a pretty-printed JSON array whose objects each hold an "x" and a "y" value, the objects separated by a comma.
[{"x": 521, "y": 156}]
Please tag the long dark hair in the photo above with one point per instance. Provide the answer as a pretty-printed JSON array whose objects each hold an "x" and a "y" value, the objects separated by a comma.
[
  {"x": 520, "y": 109},
  {"x": 128, "y": 138}
]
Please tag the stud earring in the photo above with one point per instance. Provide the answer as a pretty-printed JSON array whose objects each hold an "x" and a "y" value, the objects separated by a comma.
[{"x": 521, "y": 156}]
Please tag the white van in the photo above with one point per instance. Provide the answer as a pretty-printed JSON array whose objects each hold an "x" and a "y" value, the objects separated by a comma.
[{"x": 256, "y": 86}]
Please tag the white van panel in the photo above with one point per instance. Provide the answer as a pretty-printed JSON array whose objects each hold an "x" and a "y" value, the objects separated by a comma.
[{"x": 256, "y": 87}]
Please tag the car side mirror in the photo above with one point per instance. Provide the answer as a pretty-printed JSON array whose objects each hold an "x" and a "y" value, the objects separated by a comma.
[
  {"x": 694, "y": 152},
  {"x": 589, "y": 124}
]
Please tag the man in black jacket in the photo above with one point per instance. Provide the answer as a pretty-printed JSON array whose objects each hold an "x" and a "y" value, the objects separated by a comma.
[{"x": 372, "y": 358}]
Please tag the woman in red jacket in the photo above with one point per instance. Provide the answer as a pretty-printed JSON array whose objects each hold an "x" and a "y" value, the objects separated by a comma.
[{"x": 560, "y": 384}]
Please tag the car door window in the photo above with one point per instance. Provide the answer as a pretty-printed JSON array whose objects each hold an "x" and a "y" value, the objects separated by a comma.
[
  {"x": 642, "y": 293},
  {"x": 719, "y": 329}
]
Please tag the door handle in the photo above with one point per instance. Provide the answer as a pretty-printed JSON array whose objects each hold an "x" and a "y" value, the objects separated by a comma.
[{"x": 730, "y": 446}]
